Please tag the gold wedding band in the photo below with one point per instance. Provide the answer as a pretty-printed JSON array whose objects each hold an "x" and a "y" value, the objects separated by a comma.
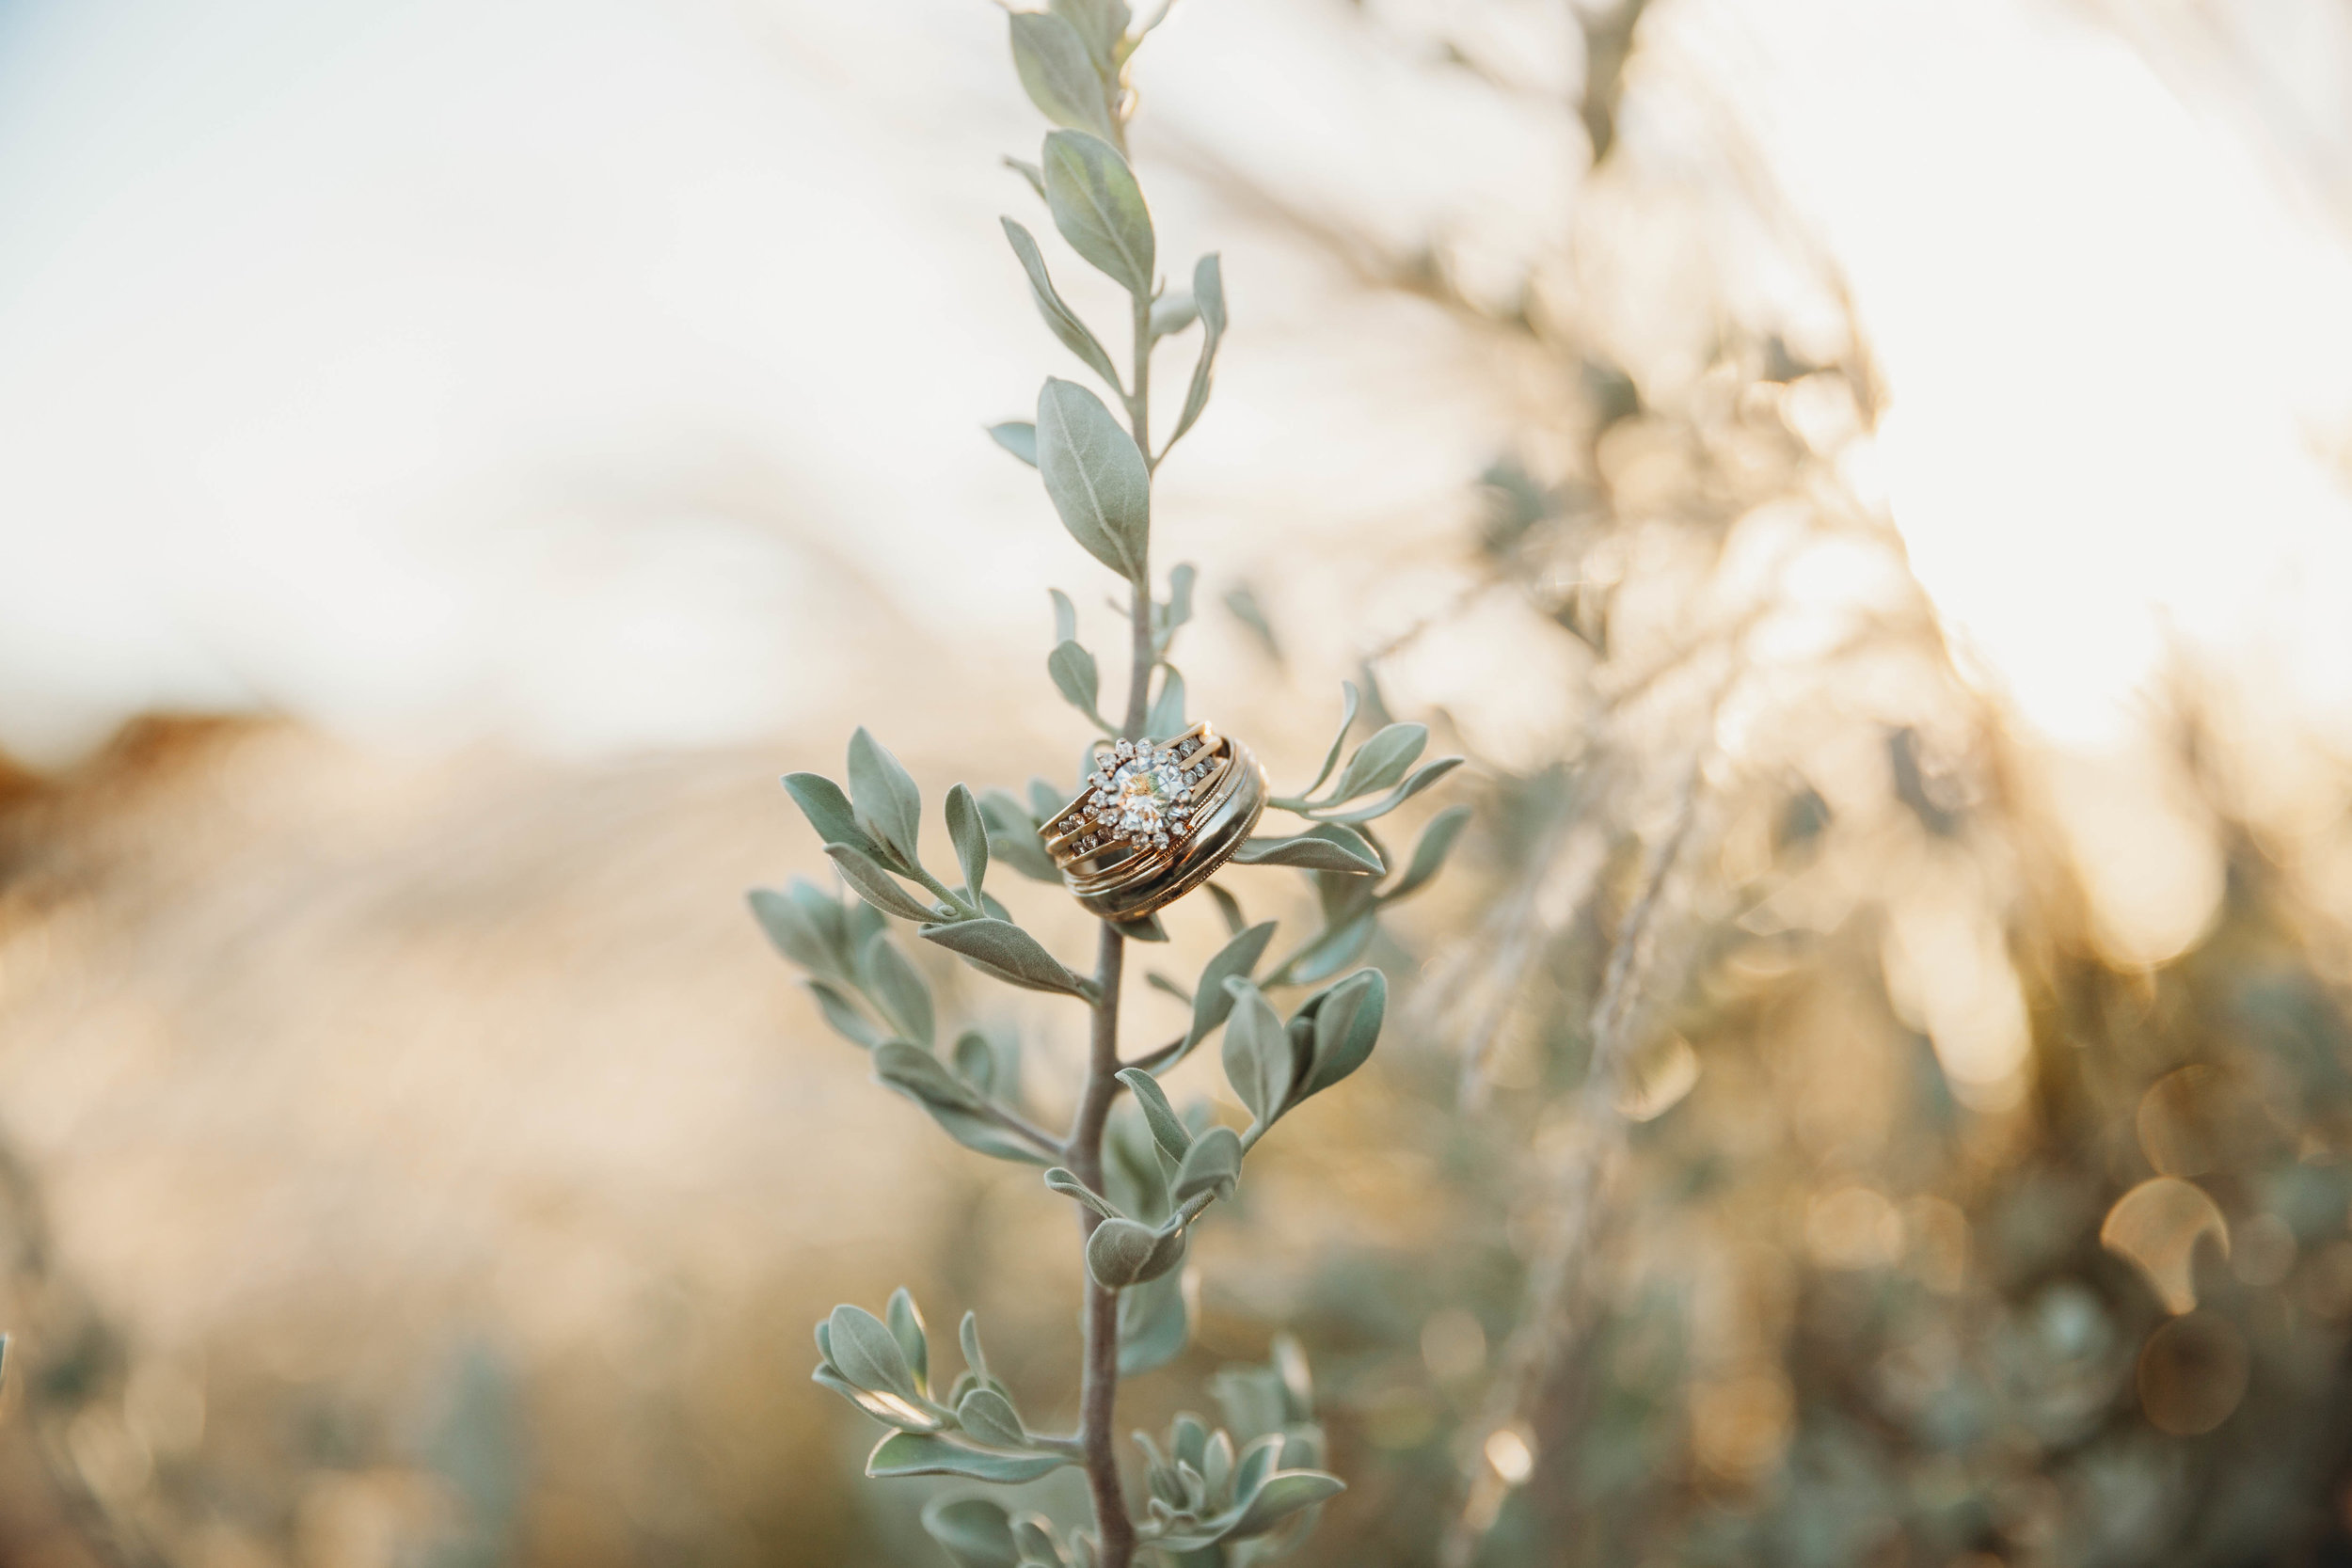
[{"x": 1155, "y": 821}]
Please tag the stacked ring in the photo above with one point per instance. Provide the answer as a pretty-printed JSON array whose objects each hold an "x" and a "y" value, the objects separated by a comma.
[{"x": 1155, "y": 821}]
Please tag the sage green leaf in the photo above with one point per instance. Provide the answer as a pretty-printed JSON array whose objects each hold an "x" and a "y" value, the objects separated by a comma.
[
  {"x": 1166, "y": 720},
  {"x": 1381, "y": 761},
  {"x": 1135, "y": 1173},
  {"x": 1301, "y": 1031},
  {"x": 843, "y": 1015},
  {"x": 1094, "y": 476},
  {"x": 1258, "y": 1060},
  {"x": 1347, "y": 1025},
  {"x": 1191, "y": 1440},
  {"x": 906, "y": 1326},
  {"x": 1154, "y": 1325},
  {"x": 1284, "y": 1498},
  {"x": 1071, "y": 1187},
  {"x": 1099, "y": 208},
  {"x": 1029, "y": 171},
  {"x": 859, "y": 923},
  {"x": 873, "y": 884},
  {"x": 975, "y": 1132},
  {"x": 1212, "y": 1165},
  {"x": 1332, "y": 951},
  {"x": 1349, "y": 700},
  {"x": 1281, "y": 1494},
  {"x": 968, "y": 1335},
  {"x": 1429, "y": 852},
  {"x": 989, "y": 1418},
  {"x": 1012, "y": 837},
  {"x": 1005, "y": 951},
  {"x": 897, "y": 990},
  {"x": 1121, "y": 1253},
  {"x": 1427, "y": 774},
  {"x": 1044, "y": 799},
  {"x": 1172, "y": 312},
  {"x": 1208, "y": 299},
  {"x": 1257, "y": 1462},
  {"x": 1147, "y": 928},
  {"x": 1312, "y": 852},
  {"x": 791, "y": 932},
  {"x": 1098, "y": 21},
  {"x": 911, "y": 1453},
  {"x": 1168, "y": 1128},
  {"x": 1057, "y": 71},
  {"x": 973, "y": 1531},
  {"x": 1242, "y": 601},
  {"x": 1211, "y": 1001},
  {"x": 1033, "y": 1533},
  {"x": 1297, "y": 1385},
  {"x": 1158, "y": 1475},
  {"x": 1170, "y": 617},
  {"x": 975, "y": 1060},
  {"x": 1160, "y": 982},
  {"x": 888, "y": 805},
  {"x": 1217, "y": 1467},
  {"x": 1060, "y": 318},
  {"x": 1017, "y": 437},
  {"x": 869, "y": 1355},
  {"x": 1065, "y": 616},
  {"x": 885, "y": 1408},
  {"x": 1230, "y": 907},
  {"x": 1196, "y": 1487},
  {"x": 1076, "y": 678},
  {"x": 829, "y": 811},
  {"x": 968, "y": 832},
  {"x": 916, "y": 1073},
  {"x": 823, "y": 908}
]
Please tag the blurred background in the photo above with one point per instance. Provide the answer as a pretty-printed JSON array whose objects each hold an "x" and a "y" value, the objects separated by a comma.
[{"x": 1865, "y": 482}]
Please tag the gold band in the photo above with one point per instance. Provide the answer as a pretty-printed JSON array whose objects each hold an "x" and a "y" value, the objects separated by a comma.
[{"x": 1155, "y": 819}]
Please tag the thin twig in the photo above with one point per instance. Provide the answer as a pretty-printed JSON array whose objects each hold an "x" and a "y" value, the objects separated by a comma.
[
  {"x": 1151, "y": 1061},
  {"x": 1020, "y": 1127},
  {"x": 1586, "y": 1163}
]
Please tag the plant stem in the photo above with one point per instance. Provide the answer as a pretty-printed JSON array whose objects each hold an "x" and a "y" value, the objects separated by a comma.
[{"x": 1099, "y": 1389}]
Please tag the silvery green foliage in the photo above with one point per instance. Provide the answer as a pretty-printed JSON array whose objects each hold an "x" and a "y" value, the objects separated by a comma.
[
  {"x": 1216, "y": 1498},
  {"x": 1248, "y": 1490}
]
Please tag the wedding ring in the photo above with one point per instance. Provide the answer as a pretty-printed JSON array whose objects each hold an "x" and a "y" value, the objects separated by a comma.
[{"x": 1155, "y": 821}]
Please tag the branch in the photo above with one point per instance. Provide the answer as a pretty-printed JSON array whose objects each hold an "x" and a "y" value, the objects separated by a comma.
[
  {"x": 1151, "y": 1061},
  {"x": 1020, "y": 1127}
]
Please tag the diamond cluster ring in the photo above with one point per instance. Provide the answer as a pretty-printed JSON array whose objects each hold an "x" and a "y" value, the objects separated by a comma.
[{"x": 1155, "y": 819}]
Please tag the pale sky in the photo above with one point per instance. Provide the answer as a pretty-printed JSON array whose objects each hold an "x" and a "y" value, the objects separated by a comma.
[{"x": 576, "y": 373}]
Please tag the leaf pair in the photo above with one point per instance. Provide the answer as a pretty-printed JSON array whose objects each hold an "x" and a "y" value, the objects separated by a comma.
[
  {"x": 1385, "y": 762},
  {"x": 873, "y": 833},
  {"x": 864, "y": 987},
  {"x": 979, "y": 1532},
  {"x": 1273, "y": 1066},
  {"x": 1206, "y": 1165},
  {"x": 1202, "y": 1490},
  {"x": 882, "y": 1364}
]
